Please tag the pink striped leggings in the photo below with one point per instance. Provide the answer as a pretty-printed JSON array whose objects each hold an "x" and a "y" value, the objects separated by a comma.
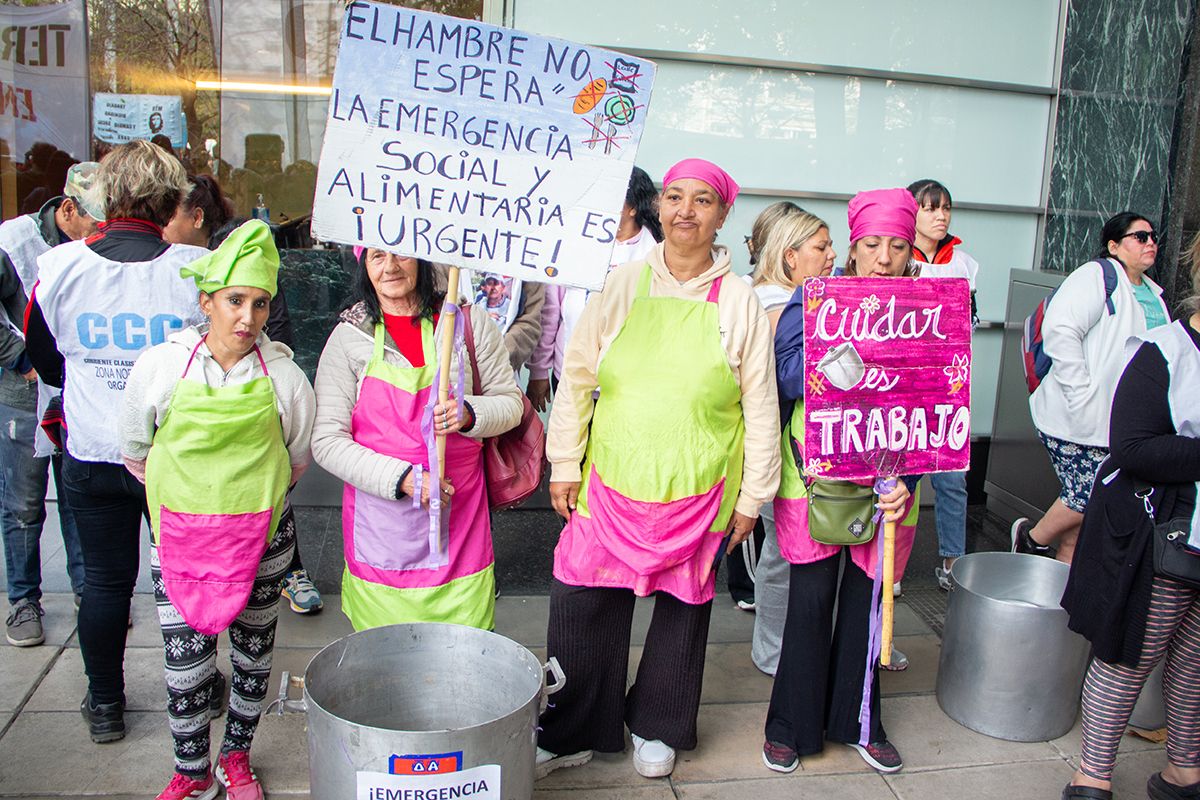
[{"x": 1111, "y": 690}]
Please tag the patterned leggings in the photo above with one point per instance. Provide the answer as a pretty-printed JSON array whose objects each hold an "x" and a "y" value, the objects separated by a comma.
[
  {"x": 191, "y": 659},
  {"x": 1111, "y": 690}
]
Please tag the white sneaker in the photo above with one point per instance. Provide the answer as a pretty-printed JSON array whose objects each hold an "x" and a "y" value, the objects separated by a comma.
[
  {"x": 547, "y": 762},
  {"x": 652, "y": 759}
]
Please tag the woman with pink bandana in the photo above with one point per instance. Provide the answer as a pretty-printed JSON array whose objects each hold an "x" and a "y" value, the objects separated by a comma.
[
  {"x": 826, "y": 664},
  {"x": 678, "y": 454}
]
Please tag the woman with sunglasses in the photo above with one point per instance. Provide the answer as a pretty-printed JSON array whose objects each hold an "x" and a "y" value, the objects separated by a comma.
[{"x": 1094, "y": 312}]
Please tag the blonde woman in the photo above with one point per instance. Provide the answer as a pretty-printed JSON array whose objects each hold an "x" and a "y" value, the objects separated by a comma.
[
  {"x": 795, "y": 245},
  {"x": 98, "y": 304}
]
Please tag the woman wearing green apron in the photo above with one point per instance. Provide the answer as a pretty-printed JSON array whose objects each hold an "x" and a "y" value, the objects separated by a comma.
[
  {"x": 216, "y": 423},
  {"x": 677, "y": 454}
]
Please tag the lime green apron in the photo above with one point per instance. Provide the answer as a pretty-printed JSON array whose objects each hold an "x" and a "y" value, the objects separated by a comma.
[
  {"x": 216, "y": 478},
  {"x": 664, "y": 460}
]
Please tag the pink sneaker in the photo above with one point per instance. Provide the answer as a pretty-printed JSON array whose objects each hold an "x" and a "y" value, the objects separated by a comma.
[
  {"x": 238, "y": 778},
  {"x": 182, "y": 787}
]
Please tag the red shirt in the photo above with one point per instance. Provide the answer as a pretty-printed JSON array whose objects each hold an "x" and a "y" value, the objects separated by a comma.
[{"x": 406, "y": 333}]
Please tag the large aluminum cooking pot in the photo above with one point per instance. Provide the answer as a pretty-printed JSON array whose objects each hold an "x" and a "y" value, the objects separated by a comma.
[
  {"x": 1009, "y": 667},
  {"x": 421, "y": 706}
]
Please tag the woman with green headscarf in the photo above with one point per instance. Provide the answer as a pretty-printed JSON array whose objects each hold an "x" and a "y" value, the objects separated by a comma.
[{"x": 216, "y": 423}]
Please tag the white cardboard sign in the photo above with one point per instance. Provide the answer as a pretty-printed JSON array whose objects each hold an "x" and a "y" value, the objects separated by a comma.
[
  {"x": 477, "y": 783},
  {"x": 485, "y": 147}
]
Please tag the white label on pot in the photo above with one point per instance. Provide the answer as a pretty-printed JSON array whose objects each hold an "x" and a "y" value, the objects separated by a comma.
[{"x": 476, "y": 783}]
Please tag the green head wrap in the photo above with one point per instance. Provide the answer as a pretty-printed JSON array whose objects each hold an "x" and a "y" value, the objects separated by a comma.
[{"x": 246, "y": 258}]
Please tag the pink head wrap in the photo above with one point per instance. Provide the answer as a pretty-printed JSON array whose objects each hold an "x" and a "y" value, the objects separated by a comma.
[
  {"x": 358, "y": 251},
  {"x": 725, "y": 186},
  {"x": 883, "y": 212}
]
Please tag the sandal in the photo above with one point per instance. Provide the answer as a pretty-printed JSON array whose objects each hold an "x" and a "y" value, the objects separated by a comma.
[
  {"x": 1085, "y": 793},
  {"x": 1158, "y": 788}
]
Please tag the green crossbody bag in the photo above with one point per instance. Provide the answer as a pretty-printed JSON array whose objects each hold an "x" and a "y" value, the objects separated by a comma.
[{"x": 840, "y": 512}]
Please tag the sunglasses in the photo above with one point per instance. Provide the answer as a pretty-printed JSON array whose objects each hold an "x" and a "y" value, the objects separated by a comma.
[{"x": 1143, "y": 236}]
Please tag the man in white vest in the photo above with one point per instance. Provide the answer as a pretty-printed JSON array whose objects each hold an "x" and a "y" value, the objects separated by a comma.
[{"x": 25, "y": 451}]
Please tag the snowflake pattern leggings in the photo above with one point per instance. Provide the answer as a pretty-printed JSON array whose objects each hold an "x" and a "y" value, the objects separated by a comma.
[{"x": 191, "y": 659}]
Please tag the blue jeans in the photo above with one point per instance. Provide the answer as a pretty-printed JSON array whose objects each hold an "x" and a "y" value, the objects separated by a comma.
[
  {"x": 950, "y": 509},
  {"x": 23, "y": 481}
]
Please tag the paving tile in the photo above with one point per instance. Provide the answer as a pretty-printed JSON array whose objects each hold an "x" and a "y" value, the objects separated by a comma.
[
  {"x": 790, "y": 787},
  {"x": 58, "y": 624},
  {"x": 921, "y": 675},
  {"x": 835, "y": 759},
  {"x": 928, "y": 739},
  {"x": 1133, "y": 770},
  {"x": 280, "y": 752},
  {"x": 523, "y": 618},
  {"x": 605, "y": 770},
  {"x": 906, "y": 622},
  {"x": 66, "y": 684},
  {"x": 312, "y": 630},
  {"x": 729, "y": 623},
  {"x": 20, "y": 670},
  {"x": 730, "y": 745},
  {"x": 658, "y": 789},
  {"x": 731, "y": 677},
  {"x": 1041, "y": 779},
  {"x": 49, "y": 753},
  {"x": 1071, "y": 745}
]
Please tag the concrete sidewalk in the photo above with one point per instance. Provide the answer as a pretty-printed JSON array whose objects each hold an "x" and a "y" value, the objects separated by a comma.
[{"x": 45, "y": 752}]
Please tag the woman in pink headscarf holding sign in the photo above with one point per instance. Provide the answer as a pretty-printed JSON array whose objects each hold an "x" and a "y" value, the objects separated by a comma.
[
  {"x": 827, "y": 682},
  {"x": 656, "y": 479}
]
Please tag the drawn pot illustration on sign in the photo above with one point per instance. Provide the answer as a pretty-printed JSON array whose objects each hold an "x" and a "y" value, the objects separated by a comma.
[{"x": 843, "y": 366}]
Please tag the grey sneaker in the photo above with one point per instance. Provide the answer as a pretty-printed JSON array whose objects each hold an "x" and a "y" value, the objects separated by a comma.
[
  {"x": 24, "y": 624},
  {"x": 943, "y": 577}
]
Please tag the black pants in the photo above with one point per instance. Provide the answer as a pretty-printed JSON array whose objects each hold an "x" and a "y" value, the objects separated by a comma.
[
  {"x": 108, "y": 504},
  {"x": 743, "y": 562},
  {"x": 818, "y": 685},
  {"x": 589, "y": 635}
]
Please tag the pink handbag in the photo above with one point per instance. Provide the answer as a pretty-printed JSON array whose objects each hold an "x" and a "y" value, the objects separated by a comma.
[{"x": 513, "y": 462}]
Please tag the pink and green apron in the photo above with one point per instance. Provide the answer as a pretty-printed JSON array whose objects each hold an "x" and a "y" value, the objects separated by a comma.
[
  {"x": 664, "y": 457},
  {"x": 216, "y": 478},
  {"x": 797, "y": 547},
  {"x": 406, "y": 562}
]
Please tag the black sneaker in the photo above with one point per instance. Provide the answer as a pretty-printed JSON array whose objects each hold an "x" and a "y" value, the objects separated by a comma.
[
  {"x": 779, "y": 757},
  {"x": 216, "y": 701},
  {"x": 882, "y": 756},
  {"x": 1022, "y": 542},
  {"x": 106, "y": 721},
  {"x": 1159, "y": 789}
]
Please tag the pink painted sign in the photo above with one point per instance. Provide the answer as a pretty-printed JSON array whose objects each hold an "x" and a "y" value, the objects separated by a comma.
[{"x": 888, "y": 376}]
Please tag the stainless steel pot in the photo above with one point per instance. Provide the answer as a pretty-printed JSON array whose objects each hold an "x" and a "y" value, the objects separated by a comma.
[
  {"x": 1009, "y": 667},
  {"x": 421, "y": 700}
]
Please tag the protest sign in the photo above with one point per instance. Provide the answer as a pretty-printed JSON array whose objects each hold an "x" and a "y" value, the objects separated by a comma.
[
  {"x": 44, "y": 78},
  {"x": 484, "y": 147},
  {"x": 121, "y": 118},
  {"x": 887, "y": 366}
]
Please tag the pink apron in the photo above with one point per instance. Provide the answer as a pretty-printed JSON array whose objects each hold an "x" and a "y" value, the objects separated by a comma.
[
  {"x": 394, "y": 572},
  {"x": 664, "y": 462},
  {"x": 216, "y": 477}
]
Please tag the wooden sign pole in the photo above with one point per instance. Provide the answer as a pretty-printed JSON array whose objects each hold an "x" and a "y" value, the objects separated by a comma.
[
  {"x": 889, "y": 599},
  {"x": 446, "y": 349}
]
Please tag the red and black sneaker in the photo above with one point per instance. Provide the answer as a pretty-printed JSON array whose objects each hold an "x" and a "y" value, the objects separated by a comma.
[
  {"x": 882, "y": 756},
  {"x": 780, "y": 757}
]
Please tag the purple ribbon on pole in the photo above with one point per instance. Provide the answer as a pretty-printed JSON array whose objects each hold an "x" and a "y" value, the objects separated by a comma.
[
  {"x": 418, "y": 481},
  {"x": 427, "y": 432},
  {"x": 875, "y": 637}
]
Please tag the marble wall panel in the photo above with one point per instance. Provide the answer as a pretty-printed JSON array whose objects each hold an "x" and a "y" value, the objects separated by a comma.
[{"x": 1121, "y": 79}]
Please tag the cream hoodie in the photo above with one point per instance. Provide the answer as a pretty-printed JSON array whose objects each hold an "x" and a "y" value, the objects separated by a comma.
[
  {"x": 745, "y": 335},
  {"x": 152, "y": 383}
]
